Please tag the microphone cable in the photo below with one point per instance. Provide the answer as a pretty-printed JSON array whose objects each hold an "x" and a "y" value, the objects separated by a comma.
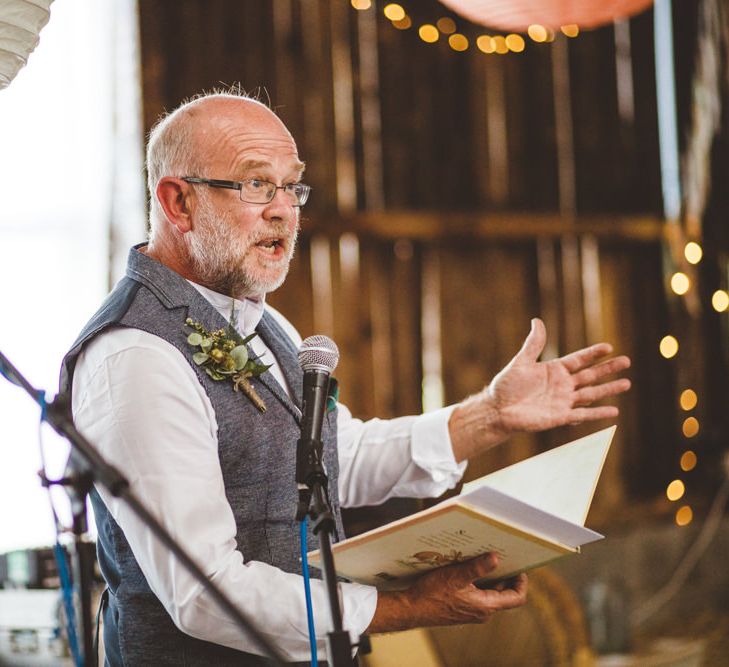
[{"x": 307, "y": 593}]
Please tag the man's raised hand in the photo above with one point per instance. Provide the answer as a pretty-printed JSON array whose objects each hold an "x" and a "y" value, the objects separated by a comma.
[{"x": 533, "y": 395}]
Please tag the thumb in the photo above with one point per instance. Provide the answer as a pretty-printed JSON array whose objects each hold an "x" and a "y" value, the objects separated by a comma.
[{"x": 533, "y": 344}]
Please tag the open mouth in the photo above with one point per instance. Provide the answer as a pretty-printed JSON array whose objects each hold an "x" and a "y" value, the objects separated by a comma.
[{"x": 273, "y": 245}]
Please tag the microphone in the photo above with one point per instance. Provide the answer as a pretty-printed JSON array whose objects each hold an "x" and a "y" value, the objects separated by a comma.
[{"x": 318, "y": 357}]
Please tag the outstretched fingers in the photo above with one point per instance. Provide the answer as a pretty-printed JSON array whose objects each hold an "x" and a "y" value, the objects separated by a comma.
[
  {"x": 579, "y": 415},
  {"x": 576, "y": 361},
  {"x": 588, "y": 376},
  {"x": 593, "y": 393}
]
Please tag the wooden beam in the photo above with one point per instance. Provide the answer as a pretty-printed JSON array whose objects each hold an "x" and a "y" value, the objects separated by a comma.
[{"x": 518, "y": 226}]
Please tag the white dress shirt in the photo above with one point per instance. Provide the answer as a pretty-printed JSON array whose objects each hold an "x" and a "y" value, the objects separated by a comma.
[{"x": 138, "y": 400}]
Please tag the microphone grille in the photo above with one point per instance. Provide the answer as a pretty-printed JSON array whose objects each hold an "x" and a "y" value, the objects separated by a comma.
[{"x": 318, "y": 353}]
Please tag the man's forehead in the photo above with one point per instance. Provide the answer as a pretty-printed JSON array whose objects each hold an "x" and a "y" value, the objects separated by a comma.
[
  {"x": 252, "y": 164},
  {"x": 249, "y": 133}
]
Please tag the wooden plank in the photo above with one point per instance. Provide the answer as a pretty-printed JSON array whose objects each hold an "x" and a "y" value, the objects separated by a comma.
[
  {"x": 317, "y": 143},
  {"x": 343, "y": 99},
  {"x": 498, "y": 148},
  {"x": 380, "y": 307},
  {"x": 406, "y": 329},
  {"x": 321, "y": 283},
  {"x": 573, "y": 314},
  {"x": 549, "y": 295},
  {"x": 369, "y": 93},
  {"x": 352, "y": 373},
  {"x": 432, "y": 225},
  {"x": 591, "y": 289}
]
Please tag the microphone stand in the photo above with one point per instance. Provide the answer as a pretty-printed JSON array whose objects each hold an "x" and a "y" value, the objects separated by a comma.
[
  {"x": 314, "y": 501},
  {"x": 87, "y": 466}
]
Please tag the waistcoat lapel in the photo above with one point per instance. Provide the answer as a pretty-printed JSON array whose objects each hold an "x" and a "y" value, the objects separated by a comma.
[{"x": 273, "y": 335}]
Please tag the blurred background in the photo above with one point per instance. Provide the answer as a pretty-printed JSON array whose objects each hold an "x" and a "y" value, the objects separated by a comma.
[{"x": 467, "y": 176}]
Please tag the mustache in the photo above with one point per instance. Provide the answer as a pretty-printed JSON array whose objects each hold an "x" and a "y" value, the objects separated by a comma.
[{"x": 279, "y": 231}]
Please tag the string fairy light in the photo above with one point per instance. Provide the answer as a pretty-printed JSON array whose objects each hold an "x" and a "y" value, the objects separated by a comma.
[
  {"x": 445, "y": 25},
  {"x": 668, "y": 346}
]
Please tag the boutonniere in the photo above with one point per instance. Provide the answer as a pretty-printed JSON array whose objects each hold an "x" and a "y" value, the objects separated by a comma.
[{"x": 224, "y": 356}]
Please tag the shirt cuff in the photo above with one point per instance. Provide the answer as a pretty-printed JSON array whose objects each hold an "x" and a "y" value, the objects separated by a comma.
[
  {"x": 431, "y": 447},
  {"x": 359, "y": 603}
]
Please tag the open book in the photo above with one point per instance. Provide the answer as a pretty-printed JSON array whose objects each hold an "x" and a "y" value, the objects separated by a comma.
[{"x": 530, "y": 513}]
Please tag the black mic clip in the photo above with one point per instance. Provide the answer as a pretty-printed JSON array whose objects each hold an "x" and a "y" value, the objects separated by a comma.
[{"x": 310, "y": 473}]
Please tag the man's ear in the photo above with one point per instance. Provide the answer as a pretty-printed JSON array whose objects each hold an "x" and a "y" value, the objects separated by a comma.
[{"x": 174, "y": 196}]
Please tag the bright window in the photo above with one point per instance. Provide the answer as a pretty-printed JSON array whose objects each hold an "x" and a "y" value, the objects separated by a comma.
[{"x": 61, "y": 163}]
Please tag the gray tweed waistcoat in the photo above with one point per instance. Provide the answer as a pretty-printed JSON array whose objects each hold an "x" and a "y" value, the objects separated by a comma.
[{"x": 257, "y": 454}]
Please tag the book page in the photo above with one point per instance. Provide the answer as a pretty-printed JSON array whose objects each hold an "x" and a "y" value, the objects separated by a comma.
[
  {"x": 510, "y": 511},
  {"x": 390, "y": 560},
  {"x": 561, "y": 481}
]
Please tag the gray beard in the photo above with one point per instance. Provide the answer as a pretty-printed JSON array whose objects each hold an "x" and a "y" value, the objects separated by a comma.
[{"x": 211, "y": 253}]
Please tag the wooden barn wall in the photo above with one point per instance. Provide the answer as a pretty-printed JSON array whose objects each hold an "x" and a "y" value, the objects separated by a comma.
[{"x": 436, "y": 181}]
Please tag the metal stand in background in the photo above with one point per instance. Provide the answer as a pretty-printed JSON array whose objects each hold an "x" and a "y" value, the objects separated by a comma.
[
  {"x": 77, "y": 483},
  {"x": 88, "y": 467}
]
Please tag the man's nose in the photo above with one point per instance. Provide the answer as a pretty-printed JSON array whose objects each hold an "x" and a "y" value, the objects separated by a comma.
[{"x": 280, "y": 207}]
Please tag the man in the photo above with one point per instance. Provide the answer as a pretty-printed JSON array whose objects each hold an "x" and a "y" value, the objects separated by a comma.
[{"x": 219, "y": 472}]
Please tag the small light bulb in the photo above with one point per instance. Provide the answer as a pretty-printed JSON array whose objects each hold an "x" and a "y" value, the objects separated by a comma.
[
  {"x": 720, "y": 300},
  {"x": 693, "y": 252},
  {"x": 458, "y": 42},
  {"x": 500, "y": 45},
  {"x": 668, "y": 347},
  {"x": 690, "y": 427},
  {"x": 428, "y": 33},
  {"x": 675, "y": 490},
  {"x": 485, "y": 43},
  {"x": 688, "y": 399},
  {"x": 688, "y": 461},
  {"x": 680, "y": 283},
  {"x": 684, "y": 516},
  {"x": 537, "y": 32},
  {"x": 403, "y": 24},
  {"x": 515, "y": 43},
  {"x": 446, "y": 25},
  {"x": 394, "y": 12}
]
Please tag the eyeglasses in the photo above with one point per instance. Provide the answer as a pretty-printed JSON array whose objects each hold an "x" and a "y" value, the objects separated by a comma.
[{"x": 256, "y": 191}]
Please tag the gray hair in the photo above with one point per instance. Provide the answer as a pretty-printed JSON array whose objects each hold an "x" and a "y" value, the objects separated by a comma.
[{"x": 171, "y": 147}]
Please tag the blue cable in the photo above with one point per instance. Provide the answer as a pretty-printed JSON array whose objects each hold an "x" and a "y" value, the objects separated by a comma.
[
  {"x": 307, "y": 590},
  {"x": 67, "y": 588},
  {"x": 43, "y": 405}
]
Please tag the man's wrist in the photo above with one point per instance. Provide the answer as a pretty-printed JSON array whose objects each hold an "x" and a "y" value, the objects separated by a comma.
[
  {"x": 394, "y": 612},
  {"x": 475, "y": 425}
]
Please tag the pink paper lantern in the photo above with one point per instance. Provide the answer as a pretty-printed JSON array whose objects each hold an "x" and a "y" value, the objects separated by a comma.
[{"x": 518, "y": 15}]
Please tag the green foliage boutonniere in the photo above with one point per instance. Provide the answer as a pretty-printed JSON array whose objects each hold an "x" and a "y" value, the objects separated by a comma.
[{"x": 224, "y": 355}]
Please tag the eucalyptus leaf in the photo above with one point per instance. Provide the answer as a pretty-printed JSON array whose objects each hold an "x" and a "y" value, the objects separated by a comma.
[
  {"x": 206, "y": 344},
  {"x": 195, "y": 339},
  {"x": 200, "y": 358},
  {"x": 256, "y": 369},
  {"x": 240, "y": 356},
  {"x": 214, "y": 374}
]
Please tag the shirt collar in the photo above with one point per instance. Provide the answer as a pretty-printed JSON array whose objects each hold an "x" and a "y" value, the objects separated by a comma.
[{"x": 249, "y": 312}]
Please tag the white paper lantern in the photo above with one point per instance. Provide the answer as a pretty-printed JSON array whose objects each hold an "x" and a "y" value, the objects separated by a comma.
[
  {"x": 20, "y": 24},
  {"x": 517, "y": 15}
]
